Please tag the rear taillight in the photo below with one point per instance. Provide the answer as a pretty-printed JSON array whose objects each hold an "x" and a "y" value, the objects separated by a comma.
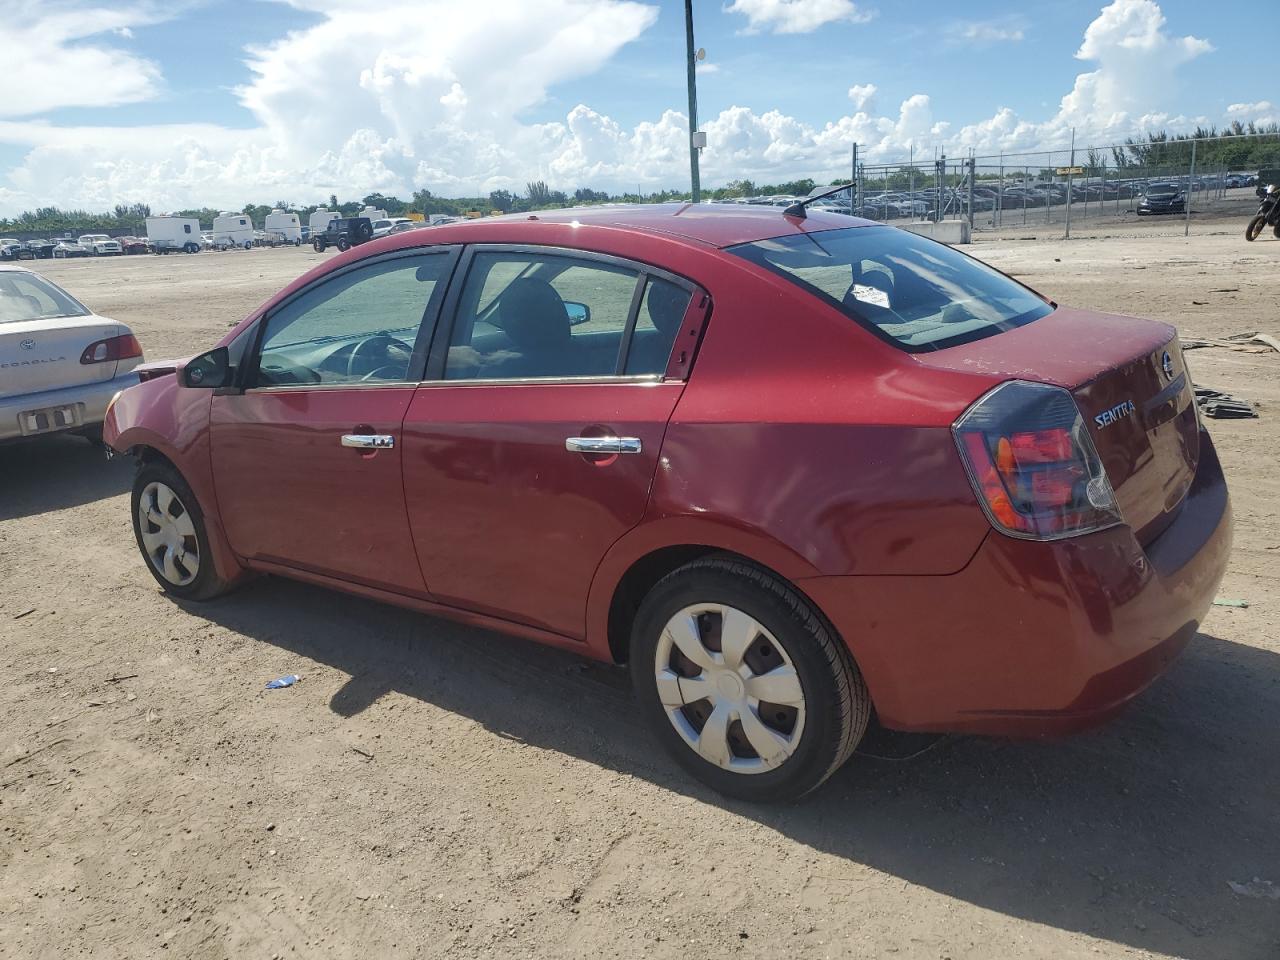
[
  {"x": 112, "y": 348},
  {"x": 1033, "y": 464}
]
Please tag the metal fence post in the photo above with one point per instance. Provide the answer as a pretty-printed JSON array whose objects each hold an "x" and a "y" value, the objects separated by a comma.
[
  {"x": 972, "y": 173},
  {"x": 1191, "y": 191}
]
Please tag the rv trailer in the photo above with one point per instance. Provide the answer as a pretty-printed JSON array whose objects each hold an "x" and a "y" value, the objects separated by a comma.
[
  {"x": 320, "y": 220},
  {"x": 281, "y": 227},
  {"x": 232, "y": 230},
  {"x": 171, "y": 234}
]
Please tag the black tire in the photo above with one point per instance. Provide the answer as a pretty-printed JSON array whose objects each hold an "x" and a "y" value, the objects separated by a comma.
[
  {"x": 364, "y": 232},
  {"x": 344, "y": 244},
  {"x": 318, "y": 244},
  {"x": 1276, "y": 231},
  {"x": 1254, "y": 229},
  {"x": 837, "y": 705},
  {"x": 191, "y": 248},
  {"x": 207, "y": 584}
]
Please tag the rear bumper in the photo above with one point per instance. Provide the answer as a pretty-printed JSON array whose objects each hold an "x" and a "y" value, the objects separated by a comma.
[
  {"x": 1036, "y": 638},
  {"x": 91, "y": 399}
]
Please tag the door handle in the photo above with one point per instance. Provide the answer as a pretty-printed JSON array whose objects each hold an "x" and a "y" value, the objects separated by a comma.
[
  {"x": 369, "y": 441},
  {"x": 606, "y": 445}
]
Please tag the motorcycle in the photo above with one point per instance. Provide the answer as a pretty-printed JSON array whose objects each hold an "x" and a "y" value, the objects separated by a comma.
[{"x": 1268, "y": 214}]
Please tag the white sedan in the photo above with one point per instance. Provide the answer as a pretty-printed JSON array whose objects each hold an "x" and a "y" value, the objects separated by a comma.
[{"x": 60, "y": 364}]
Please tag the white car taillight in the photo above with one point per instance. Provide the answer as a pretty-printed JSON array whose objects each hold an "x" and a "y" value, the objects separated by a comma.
[
  {"x": 124, "y": 347},
  {"x": 1033, "y": 465}
]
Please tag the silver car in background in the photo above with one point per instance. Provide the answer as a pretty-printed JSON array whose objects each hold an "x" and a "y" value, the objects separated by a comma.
[{"x": 60, "y": 364}]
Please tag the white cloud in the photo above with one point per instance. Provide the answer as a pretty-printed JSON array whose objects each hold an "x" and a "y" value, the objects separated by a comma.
[
  {"x": 58, "y": 54},
  {"x": 983, "y": 32},
  {"x": 797, "y": 16},
  {"x": 1261, "y": 112},
  {"x": 862, "y": 95},
  {"x": 396, "y": 114}
]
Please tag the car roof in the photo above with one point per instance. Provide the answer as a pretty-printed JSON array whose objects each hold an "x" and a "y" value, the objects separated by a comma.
[{"x": 719, "y": 225}]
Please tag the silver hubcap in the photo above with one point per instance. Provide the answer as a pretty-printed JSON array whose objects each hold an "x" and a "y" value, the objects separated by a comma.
[
  {"x": 168, "y": 534},
  {"x": 729, "y": 688}
]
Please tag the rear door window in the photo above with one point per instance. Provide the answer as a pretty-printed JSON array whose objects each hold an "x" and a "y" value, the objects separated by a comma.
[{"x": 525, "y": 315}]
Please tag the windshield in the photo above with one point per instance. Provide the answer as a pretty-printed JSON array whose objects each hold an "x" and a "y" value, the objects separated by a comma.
[
  {"x": 25, "y": 296},
  {"x": 910, "y": 291},
  {"x": 1162, "y": 190}
]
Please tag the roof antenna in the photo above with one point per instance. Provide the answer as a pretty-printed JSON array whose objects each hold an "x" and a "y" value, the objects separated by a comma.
[{"x": 797, "y": 209}]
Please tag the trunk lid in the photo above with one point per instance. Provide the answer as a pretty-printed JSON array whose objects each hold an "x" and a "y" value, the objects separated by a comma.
[
  {"x": 38, "y": 355},
  {"x": 1133, "y": 390}
]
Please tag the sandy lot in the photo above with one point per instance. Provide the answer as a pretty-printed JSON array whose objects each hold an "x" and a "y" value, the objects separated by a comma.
[{"x": 432, "y": 790}]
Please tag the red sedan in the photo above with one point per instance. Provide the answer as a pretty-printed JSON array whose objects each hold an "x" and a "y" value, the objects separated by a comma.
[{"x": 794, "y": 470}]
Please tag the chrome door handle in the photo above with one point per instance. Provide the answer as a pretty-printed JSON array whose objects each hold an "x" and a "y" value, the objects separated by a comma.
[
  {"x": 602, "y": 444},
  {"x": 369, "y": 441}
]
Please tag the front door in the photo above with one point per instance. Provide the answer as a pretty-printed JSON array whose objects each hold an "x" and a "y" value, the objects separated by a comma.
[
  {"x": 307, "y": 460},
  {"x": 536, "y": 448}
]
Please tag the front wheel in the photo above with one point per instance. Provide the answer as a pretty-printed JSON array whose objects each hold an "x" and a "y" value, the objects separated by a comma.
[
  {"x": 1254, "y": 229},
  {"x": 317, "y": 245},
  {"x": 169, "y": 527},
  {"x": 744, "y": 682}
]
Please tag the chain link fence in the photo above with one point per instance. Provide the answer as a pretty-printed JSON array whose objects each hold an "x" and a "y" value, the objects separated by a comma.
[{"x": 1084, "y": 187}]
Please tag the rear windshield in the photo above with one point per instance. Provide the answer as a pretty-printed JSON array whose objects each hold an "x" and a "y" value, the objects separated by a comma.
[
  {"x": 25, "y": 296},
  {"x": 911, "y": 291}
]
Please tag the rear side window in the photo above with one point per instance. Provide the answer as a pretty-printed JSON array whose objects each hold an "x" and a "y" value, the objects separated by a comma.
[
  {"x": 550, "y": 316},
  {"x": 916, "y": 294}
]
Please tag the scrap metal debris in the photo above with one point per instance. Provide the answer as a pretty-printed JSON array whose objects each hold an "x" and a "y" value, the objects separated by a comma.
[
  {"x": 1222, "y": 406},
  {"x": 1242, "y": 342}
]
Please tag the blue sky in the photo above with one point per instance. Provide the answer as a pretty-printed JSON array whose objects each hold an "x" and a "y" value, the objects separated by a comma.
[{"x": 214, "y": 102}]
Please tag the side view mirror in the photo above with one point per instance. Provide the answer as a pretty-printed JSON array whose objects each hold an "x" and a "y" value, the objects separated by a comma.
[
  {"x": 578, "y": 312},
  {"x": 208, "y": 370}
]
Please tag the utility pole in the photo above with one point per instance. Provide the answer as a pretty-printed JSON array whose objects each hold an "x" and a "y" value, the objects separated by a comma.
[{"x": 693, "y": 101}]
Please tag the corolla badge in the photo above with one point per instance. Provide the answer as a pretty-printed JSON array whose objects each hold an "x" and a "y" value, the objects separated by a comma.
[
  {"x": 1118, "y": 412},
  {"x": 1166, "y": 364},
  {"x": 27, "y": 344}
]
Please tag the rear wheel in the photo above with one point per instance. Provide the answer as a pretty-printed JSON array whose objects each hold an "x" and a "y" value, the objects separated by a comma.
[
  {"x": 191, "y": 248},
  {"x": 344, "y": 244},
  {"x": 1254, "y": 229},
  {"x": 744, "y": 682},
  {"x": 170, "y": 530}
]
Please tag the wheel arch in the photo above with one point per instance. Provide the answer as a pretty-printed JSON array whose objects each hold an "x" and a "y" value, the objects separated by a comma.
[
  {"x": 644, "y": 557},
  {"x": 145, "y": 451}
]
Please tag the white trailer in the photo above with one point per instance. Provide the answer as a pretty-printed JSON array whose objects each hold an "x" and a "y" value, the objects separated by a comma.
[
  {"x": 320, "y": 220},
  {"x": 373, "y": 213},
  {"x": 281, "y": 227},
  {"x": 168, "y": 234},
  {"x": 232, "y": 230}
]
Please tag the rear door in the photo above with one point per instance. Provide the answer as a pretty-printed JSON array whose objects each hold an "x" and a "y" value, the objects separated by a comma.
[
  {"x": 533, "y": 448},
  {"x": 307, "y": 460}
]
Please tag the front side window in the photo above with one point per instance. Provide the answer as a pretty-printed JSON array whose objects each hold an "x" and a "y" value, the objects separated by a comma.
[
  {"x": 359, "y": 327},
  {"x": 524, "y": 315},
  {"x": 913, "y": 292}
]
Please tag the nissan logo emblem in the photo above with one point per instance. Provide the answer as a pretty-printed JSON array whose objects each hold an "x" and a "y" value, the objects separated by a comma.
[
  {"x": 1166, "y": 364},
  {"x": 28, "y": 344}
]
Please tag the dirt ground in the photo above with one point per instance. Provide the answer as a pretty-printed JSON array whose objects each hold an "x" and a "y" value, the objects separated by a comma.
[{"x": 430, "y": 790}]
